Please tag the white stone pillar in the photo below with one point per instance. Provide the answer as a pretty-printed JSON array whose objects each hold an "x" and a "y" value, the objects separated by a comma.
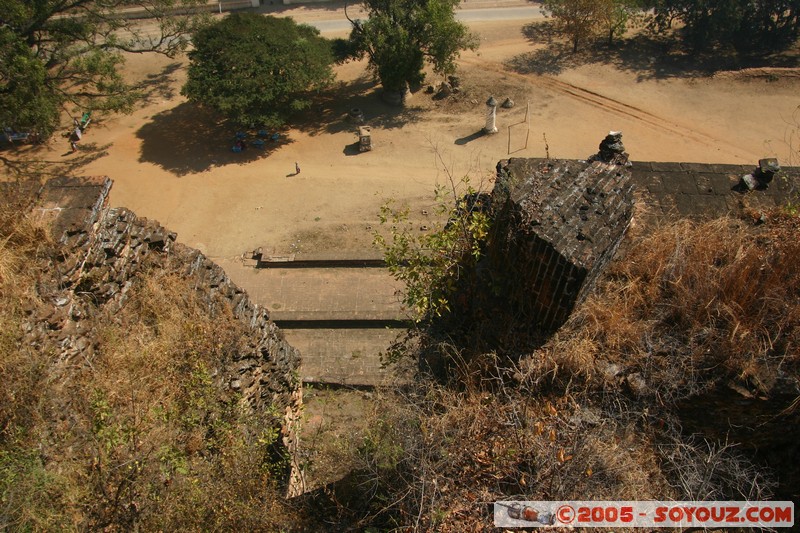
[{"x": 491, "y": 115}]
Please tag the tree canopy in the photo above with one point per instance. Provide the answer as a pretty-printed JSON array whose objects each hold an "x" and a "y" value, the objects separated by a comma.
[
  {"x": 747, "y": 25},
  {"x": 399, "y": 36},
  {"x": 616, "y": 15},
  {"x": 258, "y": 70},
  {"x": 57, "y": 54},
  {"x": 581, "y": 20}
]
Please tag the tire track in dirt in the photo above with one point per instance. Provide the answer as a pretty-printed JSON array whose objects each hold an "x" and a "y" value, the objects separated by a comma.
[{"x": 614, "y": 107}]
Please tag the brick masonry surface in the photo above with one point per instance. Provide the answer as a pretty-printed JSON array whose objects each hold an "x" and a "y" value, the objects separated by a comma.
[
  {"x": 563, "y": 220},
  {"x": 677, "y": 190},
  {"x": 557, "y": 224}
]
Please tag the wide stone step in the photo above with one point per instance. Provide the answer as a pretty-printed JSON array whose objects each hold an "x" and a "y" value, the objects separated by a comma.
[
  {"x": 370, "y": 259},
  {"x": 339, "y": 323},
  {"x": 327, "y": 294},
  {"x": 344, "y": 356}
]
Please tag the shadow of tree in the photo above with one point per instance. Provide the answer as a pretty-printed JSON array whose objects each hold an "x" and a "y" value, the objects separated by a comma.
[
  {"x": 26, "y": 160},
  {"x": 544, "y": 31},
  {"x": 330, "y": 115},
  {"x": 188, "y": 139},
  {"x": 648, "y": 55},
  {"x": 551, "y": 60},
  {"x": 161, "y": 85}
]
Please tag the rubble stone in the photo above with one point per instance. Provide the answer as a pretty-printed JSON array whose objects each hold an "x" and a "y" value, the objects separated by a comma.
[
  {"x": 611, "y": 149},
  {"x": 761, "y": 177},
  {"x": 105, "y": 251},
  {"x": 750, "y": 182}
]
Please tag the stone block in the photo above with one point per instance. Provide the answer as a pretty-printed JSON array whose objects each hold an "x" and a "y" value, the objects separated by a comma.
[
  {"x": 641, "y": 166},
  {"x": 694, "y": 167},
  {"x": 684, "y": 184},
  {"x": 654, "y": 184},
  {"x": 723, "y": 183},
  {"x": 661, "y": 167},
  {"x": 704, "y": 184},
  {"x": 715, "y": 206},
  {"x": 687, "y": 204}
]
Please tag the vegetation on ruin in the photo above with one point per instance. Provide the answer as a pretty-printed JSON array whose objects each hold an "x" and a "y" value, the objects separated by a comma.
[
  {"x": 58, "y": 56},
  {"x": 435, "y": 266},
  {"x": 258, "y": 70},
  {"x": 694, "y": 314},
  {"x": 400, "y": 36},
  {"x": 136, "y": 436}
]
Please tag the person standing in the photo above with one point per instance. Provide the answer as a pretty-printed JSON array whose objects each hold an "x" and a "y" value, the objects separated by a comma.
[
  {"x": 74, "y": 138},
  {"x": 296, "y": 168}
]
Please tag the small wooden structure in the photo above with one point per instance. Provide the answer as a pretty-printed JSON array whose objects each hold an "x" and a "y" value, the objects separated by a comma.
[{"x": 364, "y": 138}]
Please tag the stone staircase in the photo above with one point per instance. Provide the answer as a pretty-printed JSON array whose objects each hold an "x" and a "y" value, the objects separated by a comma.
[{"x": 341, "y": 311}]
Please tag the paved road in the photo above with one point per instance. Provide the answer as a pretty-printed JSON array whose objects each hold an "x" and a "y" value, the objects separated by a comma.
[
  {"x": 334, "y": 21},
  {"x": 340, "y": 23}
]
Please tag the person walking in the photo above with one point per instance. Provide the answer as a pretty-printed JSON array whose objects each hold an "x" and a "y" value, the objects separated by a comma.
[{"x": 296, "y": 168}]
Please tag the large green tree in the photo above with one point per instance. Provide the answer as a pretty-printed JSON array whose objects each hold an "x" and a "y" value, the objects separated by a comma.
[
  {"x": 399, "y": 36},
  {"x": 258, "y": 70},
  {"x": 57, "y": 54},
  {"x": 747, "y": 25},
  {"x": 579, "y": 20},
  {"x": 616, "y": 15},
  {"x": 582, "y": 20}
]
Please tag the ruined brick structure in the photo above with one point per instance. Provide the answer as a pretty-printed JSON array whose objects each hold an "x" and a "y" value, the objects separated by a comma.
[
  {"x": 104, "y": 251},
  {"x": 558, "y": 224}
]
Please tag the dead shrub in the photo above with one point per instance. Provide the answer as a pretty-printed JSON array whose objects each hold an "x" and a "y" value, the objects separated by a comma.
[
  {"x": 690, "y": 306},
  {"x": 593, "y": 414},
  {"x": 138, "y": 434}
]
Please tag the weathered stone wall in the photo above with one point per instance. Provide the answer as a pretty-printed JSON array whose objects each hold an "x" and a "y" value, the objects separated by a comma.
[
  {"x": 102, "y": 254},
  {"x": 699, "y": 190},
  {"x": 558, "y": 223}
]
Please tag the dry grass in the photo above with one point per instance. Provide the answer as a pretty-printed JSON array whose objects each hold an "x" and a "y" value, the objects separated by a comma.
[
  {"x": 595, "y": 412},
  {"x": 435, "y": 459},
  {"x": 691, "y": 306},
  {"x": 22, "y": 242},
  {"x": 136, "y": 432}
]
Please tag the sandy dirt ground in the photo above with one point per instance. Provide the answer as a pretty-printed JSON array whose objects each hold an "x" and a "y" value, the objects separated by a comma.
[{"x": 172, "y": 162}]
